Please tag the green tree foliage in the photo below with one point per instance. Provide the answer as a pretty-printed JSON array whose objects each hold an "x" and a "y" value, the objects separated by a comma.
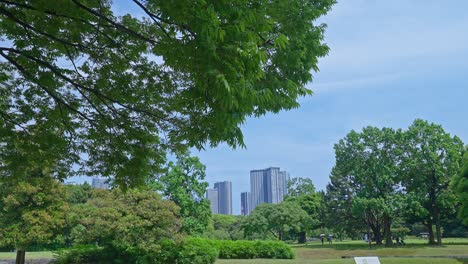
[
  {"x": 135, "y": 221},
  {"x": 78, "y": 194},
  {"x": 460, "y": 185},
  {"x": 337, "y": 206},
  {"x": 300, "y": 186},
  {"x": 183, "y": 184},
  {"x": 31, "y": 212},
  {"x": 276, "y": 220},
  {"x": 302, "y": 192},
  {"x": 114, "y": 92},
  {"x": 432, "y": 159},
  {"x": 370, "y": 159},
  {"x": 225, "y": 227}
]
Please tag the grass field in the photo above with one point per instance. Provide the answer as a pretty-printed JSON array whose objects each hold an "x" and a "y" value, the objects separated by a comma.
[
  {"x": 29, "y": 255},
  {"x": 340, "y": 261},
  {"x": 414, "y": 252}
]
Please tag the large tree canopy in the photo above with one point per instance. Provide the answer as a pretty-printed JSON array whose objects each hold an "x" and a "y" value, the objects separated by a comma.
[
  {"x": 31, "y": 212},
  {"x": 370, "y": 158},
  {"x": 184, "y": 184},
  {"x": 431, "y": 160},
  {"x": 460, "y": 184},
  {"x": 114, "y": 92}
]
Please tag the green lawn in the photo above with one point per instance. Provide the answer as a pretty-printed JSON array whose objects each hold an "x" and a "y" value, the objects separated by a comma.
[
  {"x": 340, "y": 261},
  {"x": 315, "y": 253},
  {"x": 29, "y": 255}
]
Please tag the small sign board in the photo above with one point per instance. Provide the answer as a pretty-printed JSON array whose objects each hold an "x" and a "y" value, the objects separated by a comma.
[{"x": 366, "y": 260}]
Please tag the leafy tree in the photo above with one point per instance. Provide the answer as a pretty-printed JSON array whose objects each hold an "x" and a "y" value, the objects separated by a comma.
[
  {"x": 32, "y": 211},
  {"x": 119, "y": 91},
  {"x": 132, "y": 221},
  {"x": 460, "y": 185},
  {"x": 337, "y": 206},
  {"x": 371, "y": 158},
  {"x": 77, "y": 194},
  {"x": 183, "y": 184},
  {"x": 275, "y": 219},
  {"x": 302, "y": 192},
  {"x": 431, "y": 160},
  {"x": 300, "y": 186},
  {"x": 225, "y": 227}
]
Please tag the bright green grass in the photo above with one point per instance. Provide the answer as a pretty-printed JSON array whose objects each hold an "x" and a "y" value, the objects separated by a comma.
[
  {"x": 339, "y": 261},
  {"x": 332, "y": 253},
  {"x": 315, "y": 253},
  {"x": 29, "y": 255}
]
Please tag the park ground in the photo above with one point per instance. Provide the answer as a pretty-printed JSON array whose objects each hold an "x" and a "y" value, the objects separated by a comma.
[{"x": 455, "y": 251}]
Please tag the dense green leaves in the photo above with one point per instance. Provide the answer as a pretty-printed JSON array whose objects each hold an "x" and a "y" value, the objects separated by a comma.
[
  {"x": 382, "y": 174},
  {"x": 276, "y": 220},
  {"x": 370, "y": 159},
  {"x": 432, "y": 159},
  {"x": 31, "y": 212},
  {"x": 114, "y": 92},
  {"x": 460, "y": 184},
  {"x": 184, "y": 184},
  {"x": 138, "y": 221},
  {"x": 300, "y": 186},
  {"x": 225, "y": 227}
]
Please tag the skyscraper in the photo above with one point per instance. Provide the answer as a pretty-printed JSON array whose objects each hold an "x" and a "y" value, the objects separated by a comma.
[
  {"x": 246, "y": 203},
  {"x": 212, "y": 196},
  {"x": 224, "y": 197},
  {"x": 100, "y": 183},
  {"x": 268, "y": 186}
]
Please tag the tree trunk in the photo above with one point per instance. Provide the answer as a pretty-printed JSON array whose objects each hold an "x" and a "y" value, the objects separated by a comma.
[
  {"x": 387, "y": 231},
  {"x": 302, "y": 237},
  {"x": 378, "y": 238},
  {"x": 431, "y": 232},
  {"x": 377, "y": 234},
  {"x": 438, "y": 231},
  {"x": 20, "y": 256}
]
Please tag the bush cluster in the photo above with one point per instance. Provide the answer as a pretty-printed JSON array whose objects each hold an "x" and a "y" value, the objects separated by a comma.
[
  {"x": 243, "y": 249},
  {"x": 191, "y": 251}
]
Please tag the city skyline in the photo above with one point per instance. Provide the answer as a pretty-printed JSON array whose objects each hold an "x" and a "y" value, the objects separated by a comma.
[
  {"x": 224, "y": 197},
  {"x": 220, "y": 197},
  {"x": 267, "y": 186},
  {"x": 246, "y": 203}
]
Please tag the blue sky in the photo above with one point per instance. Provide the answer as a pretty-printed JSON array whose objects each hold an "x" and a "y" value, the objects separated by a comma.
[{"x": 390, "y": 63}]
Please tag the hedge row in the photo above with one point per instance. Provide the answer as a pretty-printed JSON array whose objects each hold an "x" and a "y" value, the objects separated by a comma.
[
  {"x": 192, "y": 251},
  {"x": 244, "y": 249}
]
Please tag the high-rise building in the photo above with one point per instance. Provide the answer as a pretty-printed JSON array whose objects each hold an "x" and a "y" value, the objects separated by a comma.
[
  {"x": 246, "y": 203},
  {"x": 100, "y": 183},
  {"x": 212, "y": 196},
  {"x": 268, "y": 186},
  {"x": 224, "y": 197}
]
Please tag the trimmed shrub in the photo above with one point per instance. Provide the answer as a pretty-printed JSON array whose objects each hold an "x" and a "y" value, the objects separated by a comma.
[
  {"x": 90, "y": 254},
  {"x": 197, "y": 251},
  {"x": 191, "y": 251},
  {"x": 273, "y": 249},
  {"x": 238, "y": 249},
  {"x": 244, "y": 249}
]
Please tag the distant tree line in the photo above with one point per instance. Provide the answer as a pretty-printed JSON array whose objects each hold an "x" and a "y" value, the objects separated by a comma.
[{"x": 385, "y": 183}]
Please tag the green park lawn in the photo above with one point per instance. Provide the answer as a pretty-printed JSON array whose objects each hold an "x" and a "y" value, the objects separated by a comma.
[
  {"x": 29, "y": 255},
  {"x": 415, "y": 252}
]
